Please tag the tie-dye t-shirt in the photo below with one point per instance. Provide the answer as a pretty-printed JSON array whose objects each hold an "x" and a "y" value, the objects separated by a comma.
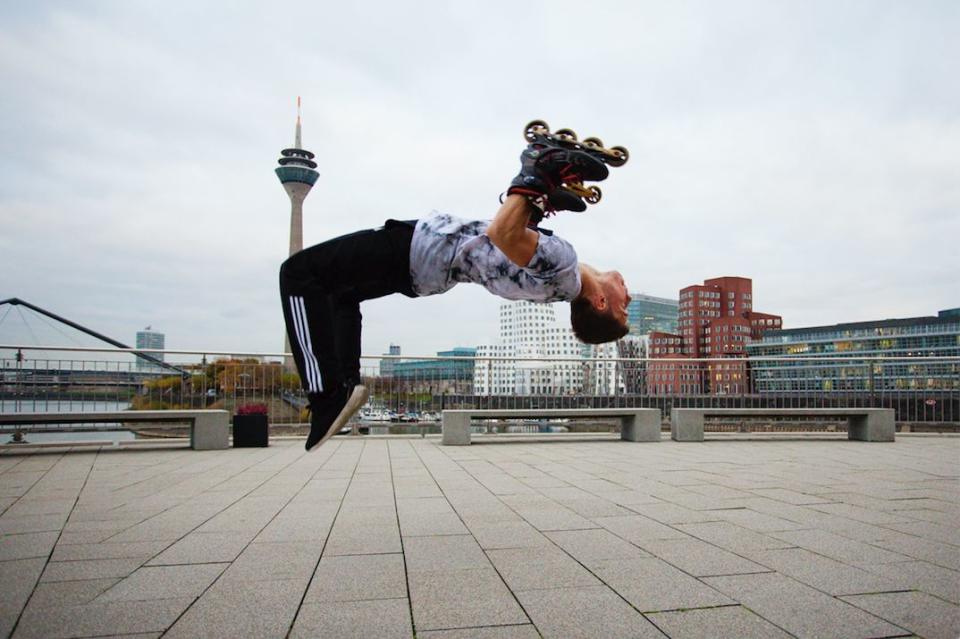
[{"x": 446, "y": 250}]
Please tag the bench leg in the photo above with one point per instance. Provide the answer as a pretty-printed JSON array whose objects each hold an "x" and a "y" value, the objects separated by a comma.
[
  {"x": 873, "y": 427},
  {"x": 210, "y": 432},
  {"x": 686, "y": 426},
  {"x": 456, "y": 430},
  {"x": 642, "y": 426}
]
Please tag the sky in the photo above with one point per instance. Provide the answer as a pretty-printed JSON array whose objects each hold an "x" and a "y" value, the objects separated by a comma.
[{"x": 811, "y": 146}]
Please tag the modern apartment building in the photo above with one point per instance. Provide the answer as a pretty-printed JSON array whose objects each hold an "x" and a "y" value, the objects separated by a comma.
[
  {"x": 847, "y": 357},
  {"x": 716, "y": 321},
  {"x": 511, "y": 365}
]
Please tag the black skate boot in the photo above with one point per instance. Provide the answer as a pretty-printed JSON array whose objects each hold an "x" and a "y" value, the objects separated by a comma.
[
  {"x": 548, "y": 172},
  {"x": 331, "y": 412}
]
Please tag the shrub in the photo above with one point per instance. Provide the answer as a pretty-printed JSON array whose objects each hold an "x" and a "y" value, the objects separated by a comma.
[{"x": 252, "y": 409}]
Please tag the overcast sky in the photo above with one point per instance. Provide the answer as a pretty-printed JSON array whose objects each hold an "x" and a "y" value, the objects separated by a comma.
[{"x": 811, "y": 146}]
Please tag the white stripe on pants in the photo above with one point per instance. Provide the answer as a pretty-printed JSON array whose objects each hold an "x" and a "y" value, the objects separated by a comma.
[{"x": 299, "y": 312}]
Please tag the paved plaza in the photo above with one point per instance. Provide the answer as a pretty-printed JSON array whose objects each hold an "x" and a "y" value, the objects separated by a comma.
[{"x": 510, "y": 537}]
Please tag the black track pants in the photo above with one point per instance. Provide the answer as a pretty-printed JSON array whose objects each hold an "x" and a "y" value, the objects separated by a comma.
[{"x": 321, "y": 288}]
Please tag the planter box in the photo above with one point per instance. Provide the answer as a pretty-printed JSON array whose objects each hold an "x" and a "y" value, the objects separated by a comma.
[{"x": 250, "y": 431}]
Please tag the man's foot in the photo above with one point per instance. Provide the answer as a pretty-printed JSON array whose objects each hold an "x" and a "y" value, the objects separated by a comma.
[
  {"x": 546, "y": 168},
  {"x": 327, "y": 420}
]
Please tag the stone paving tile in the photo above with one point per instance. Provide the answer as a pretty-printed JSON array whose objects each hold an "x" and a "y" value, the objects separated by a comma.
[
  {"x": 249, "y": 609},
  {"x": 10, "y": 525},
  {"x": 462, "y": 599},
  {"x": 652, "y": 585},
  {"x": 842, "y": 549},
  {"x": 517, "y": 534},
  {"x": 443, "y": 553},
  {"x": 918, "y": 612},
  {"x": 435, "y": 524},
  {"x": 823, "y": 573},
  {"x": 916, "y": 548},
  {"x": 790, "y": 496},
  {"x": 867, "y": 516},
  {"x": 39, "y": 506},
  {"x": 133, "y": 550},
  {"x": 728, "y": 621},
  {"x": 558, "y": 518},
  {"x": 274, "y": 562},
  {"x": 164, "y": 582},
  {"x": 701, "y": 559},
  {"x": 732, "y": 537},
  {"x": 89, "y": 569},
  {"x": 119, "y": 617},
  {"x": 637, "y": 528},
  {"x": 934, "y": 516},
  {"x": 754, "y": 520},
  {"x": 591, "y": 546},
  {"x": 592, "y": 612},
  {"x": 201, "y": 548},
  {"x": 527, "y": 631},
  {"x": 357, "y": 578},
  {"x": 384, "y": 618},
  {"x": 27, "y": 545},
  {"x": 801, "y": 610},
  {"x": 931, "y": 531},
  {"x": 363, "y": 540},
  {"x": 18, "y": 578},
  {"x": 540, "y": 568},
  {"x": 920, "y": 575},
  {"x": 69, "y": 593},
  {"x": 667, "y": 513}
]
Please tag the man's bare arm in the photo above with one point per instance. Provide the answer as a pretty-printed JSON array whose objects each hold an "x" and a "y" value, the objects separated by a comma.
[{"x": 509, "y": 231}]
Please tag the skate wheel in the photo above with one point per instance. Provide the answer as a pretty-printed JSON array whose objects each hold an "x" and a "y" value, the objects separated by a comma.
[
  {"x": 595, "y": 143},
  {"x": 595, "y": 195},
  {"x": 566, "y": 133},
  {"x": 534, "y": 127},
  {"x": 622, "y": 155}
]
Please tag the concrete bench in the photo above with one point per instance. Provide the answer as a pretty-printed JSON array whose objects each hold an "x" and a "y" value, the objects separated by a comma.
[
  {"x": 637, "y": 424},
  {"x": 864, "y": 424},
  {"x": 208, "y": 428}
]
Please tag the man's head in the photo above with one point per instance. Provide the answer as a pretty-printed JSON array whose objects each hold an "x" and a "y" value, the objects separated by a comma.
[{"x": 599, "y": 314}]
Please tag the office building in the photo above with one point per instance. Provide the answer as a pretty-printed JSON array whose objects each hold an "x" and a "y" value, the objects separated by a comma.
[
  {"x": 454, "y": 374},
  {"x": 826, "y": 357},
  {"x": 148, "y": 338},
  {"x": 646, "y": 314}
]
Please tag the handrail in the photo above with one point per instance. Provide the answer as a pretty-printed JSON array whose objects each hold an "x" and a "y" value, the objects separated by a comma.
[{"x": 821, "y": 358}]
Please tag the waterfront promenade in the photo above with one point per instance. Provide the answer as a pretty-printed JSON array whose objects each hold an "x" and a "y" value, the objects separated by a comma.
[{"x": 556, "y": 536}]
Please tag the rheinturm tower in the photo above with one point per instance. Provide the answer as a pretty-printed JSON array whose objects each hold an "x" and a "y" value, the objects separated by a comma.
[{"x": 297, "y": 173}]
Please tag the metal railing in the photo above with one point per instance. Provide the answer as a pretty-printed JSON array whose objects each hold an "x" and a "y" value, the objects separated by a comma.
[{"x": 410, "y": 391}]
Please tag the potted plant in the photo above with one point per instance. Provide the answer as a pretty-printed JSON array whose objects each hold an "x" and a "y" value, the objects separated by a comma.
[{"x": 250, "y": 426}]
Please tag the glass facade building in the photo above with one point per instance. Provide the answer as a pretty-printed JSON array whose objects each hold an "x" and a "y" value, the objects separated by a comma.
[
  {"x": 439, "y": 374},
  {"x": 148, "y": 338},
  {"x": 843, "y": 357},
  {"x": 647, "y": 314}
]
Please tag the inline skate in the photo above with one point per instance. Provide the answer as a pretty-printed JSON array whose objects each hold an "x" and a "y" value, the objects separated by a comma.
[{"x": 554, "y": 167}]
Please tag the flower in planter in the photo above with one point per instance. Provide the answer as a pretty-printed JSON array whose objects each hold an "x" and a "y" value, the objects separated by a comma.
[{"x": 252, "y": 409}]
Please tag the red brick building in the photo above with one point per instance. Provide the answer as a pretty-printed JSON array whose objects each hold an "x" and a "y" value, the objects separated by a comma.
[{"x": 716, "y": 321}]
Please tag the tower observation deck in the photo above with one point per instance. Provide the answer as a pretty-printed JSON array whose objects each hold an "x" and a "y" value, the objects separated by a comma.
[{"x": 297, "y": 173}]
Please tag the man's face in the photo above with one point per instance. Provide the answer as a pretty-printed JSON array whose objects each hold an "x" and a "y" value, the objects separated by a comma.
[{"x": 617, "y": 296}]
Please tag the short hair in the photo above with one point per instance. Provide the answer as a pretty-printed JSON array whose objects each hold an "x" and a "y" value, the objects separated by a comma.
[{"x": 595, "y": 327}]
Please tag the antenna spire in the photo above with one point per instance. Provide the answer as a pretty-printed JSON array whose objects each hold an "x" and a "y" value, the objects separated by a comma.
[{"x": 297, "y": 144}]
